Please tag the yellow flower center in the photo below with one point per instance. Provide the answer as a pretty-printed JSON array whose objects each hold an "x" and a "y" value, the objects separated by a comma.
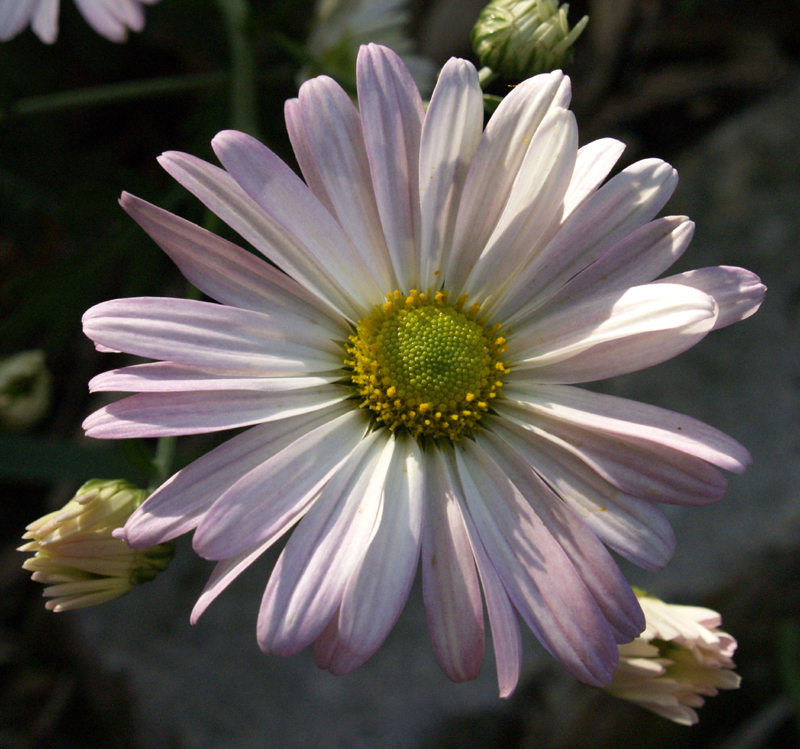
[{"x": 425, "y": 365}]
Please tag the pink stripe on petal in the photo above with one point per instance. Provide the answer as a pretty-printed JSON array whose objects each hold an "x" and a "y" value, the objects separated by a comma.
[
  {"x": 541, "y": 581},
  {"x": 265, "y": 501},
  {"x": 450, "y": 586},
  {"x": 308, "y": 582},
  {"x": 166, "y": 414},
  {"x": 392, "y": 114},
  {"x": 179, "y": 504}
]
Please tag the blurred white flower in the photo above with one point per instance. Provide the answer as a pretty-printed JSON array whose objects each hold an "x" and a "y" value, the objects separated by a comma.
[
  {"x": 110, "y": 18},
  {"x": 25, "y": 389},
  {"x": 680, "y": 658},
  {"x": 342, "y": 26}
]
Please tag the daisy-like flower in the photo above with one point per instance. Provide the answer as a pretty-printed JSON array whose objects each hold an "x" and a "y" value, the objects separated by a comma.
[
  {"x": 407, "y": 372},
  {"x": 109, "y": 18},
  {"x": 680, "y": 658}
]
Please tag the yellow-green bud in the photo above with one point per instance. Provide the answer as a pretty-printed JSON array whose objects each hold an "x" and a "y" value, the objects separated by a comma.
[
  {"x": 521, "y": 38},
  {"x": 76, "y": 556},
  {"x": 25, "y": 387}
]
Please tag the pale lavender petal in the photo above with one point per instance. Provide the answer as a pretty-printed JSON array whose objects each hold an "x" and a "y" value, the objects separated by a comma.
[
  {"x": 212, "y": 335},
  {"x": 222, "y": 195},
  {"x": 634, "y": 528},
  {"x": 225, "y": 272},
  {"x": 308, "y": 582},
  {"x": 737, "y": 292},
  {"x": 626, "y": 202},
  {"x": 377, "y": 590},
  {"x": 639, "y": 258},
  {"x": 625, "y": 418},
  {"x": 595, "y": 160},
  {"x": 538, "y": 190},
  {"x": 274, "y": 494},
  {"x": 167, "y": 414},
  {"x": 179, "y": 504},
  {"x": 392, "y": 114},
  {"x": 495, "y": 165},
  {"x": 328, "y": 140},
  {"x": 506, "y": 635},
  {"x": 224, "y": 573},
  {"x": 587, "y": 554},
  {"x": 45, "y": 20},
  {"x": 175, "y": 378},
  {"x": 647, "y": 470},
  {"x": 286, "y": 199},
  {"x": 15, "y": 16},
  {"x": 612, "y": 334},
  {"x": 450, "y": 586},
  {"x": 540, "y": 579},
  {"x": 450, "y": 134},
  {"x": 112, "y": 19}
]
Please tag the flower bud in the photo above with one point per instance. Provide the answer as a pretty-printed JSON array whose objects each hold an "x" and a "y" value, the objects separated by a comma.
[
  {"x": 521, "y": 38},
  {"x": 680, "y": 658},
  {"x": 77, "y": 557},
  {"x": 25, "y": 386}
]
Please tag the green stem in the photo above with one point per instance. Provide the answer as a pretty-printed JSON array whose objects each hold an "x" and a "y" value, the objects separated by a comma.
[
  {"x": 165, "y": 454},
  {"x": 113, "y": 92},
  {"x": 243, "y": 66}
]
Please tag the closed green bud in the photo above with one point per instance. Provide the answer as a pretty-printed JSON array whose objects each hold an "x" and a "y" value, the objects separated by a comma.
[
  {"x": 521, "y": 38},
  {"x": 77, "y": 557}
]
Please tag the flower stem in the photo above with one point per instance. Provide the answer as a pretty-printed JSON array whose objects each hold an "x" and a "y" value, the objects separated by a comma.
[{"x": 243, "y": 67}]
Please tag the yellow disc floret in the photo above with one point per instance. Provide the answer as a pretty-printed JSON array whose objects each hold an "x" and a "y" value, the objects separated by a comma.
[{"x": 425, "y": 365}]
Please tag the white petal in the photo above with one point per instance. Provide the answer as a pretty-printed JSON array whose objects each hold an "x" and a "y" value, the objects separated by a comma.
[
  {"x": 15, "y": 16},
  {"x": 225, "y": 272},
  {"x": 171, "y": 377},
  {"x": 286, "y": 199},
  {"x": 307, "y": 585},
  {"x": 613, "y": 333},
  {"x": 634, "y": 528},
  {"x": 266, "y": 501},
  {"x": 495, "y": 165},
  {"x": 595, "y": 160},
  {"x": 391, "y": 114},
  {"x": 45, "y": 20},
  {"x": 221, "y": 194},
  {"x": 538, "y": 190},
  {"x": 737, "y": 292},
  {"x": 167, "y": 414},
  {"x": 212, "y": 335},
  {"x": 450, "y": 134},
  {"x": 178, "y": 505},
  {"x": 620, "y": 417},
  {"x": 377, "y": 590},
  {"x": 328, "y": 140},
  {"x": 622, "y": 205},
  {"x": 450, "y": 586},
  {"x": 540, "y": 579}
]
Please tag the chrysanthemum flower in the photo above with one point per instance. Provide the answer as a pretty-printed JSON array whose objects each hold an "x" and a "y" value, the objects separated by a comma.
[
  {"x": 110, "y": 18},
  {"x": 407, "y": 372},
  {"x": 680, "y": 658}
]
